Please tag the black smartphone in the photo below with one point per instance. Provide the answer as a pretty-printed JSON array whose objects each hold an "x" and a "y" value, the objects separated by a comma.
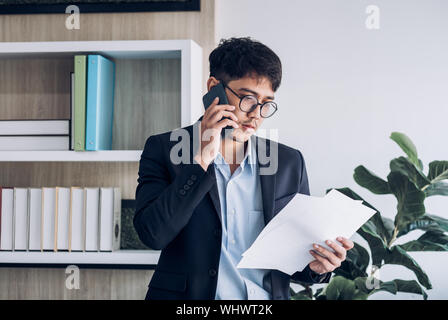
[{"x": 217, "y": 91}]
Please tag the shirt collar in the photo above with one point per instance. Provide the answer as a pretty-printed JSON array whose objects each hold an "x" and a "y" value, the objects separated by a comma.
[{"x": 250, "y": 157}]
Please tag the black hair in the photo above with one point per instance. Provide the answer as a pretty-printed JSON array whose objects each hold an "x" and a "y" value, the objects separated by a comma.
[{"x": 236, "y": 58}]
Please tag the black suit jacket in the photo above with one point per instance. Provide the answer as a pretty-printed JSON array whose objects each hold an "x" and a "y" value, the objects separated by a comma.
[{"x": 178, "y": 212}]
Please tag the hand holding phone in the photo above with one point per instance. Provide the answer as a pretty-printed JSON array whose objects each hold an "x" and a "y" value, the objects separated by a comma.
[
  {"x": 216, "y": 117},
  {"x": 220, "y": 92}
]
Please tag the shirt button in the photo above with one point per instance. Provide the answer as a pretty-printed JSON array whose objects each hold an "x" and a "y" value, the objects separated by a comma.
[
  {"x": 232, "y": 241},
  {"x": 182, "y": 192},
  {"x": 212, "y": 272},
  {"x": 186, "y": 187},
  {"x": 190, "y": 182},
  {"x": 193, "y": 177},
  {"x": 233, "y": 211}
]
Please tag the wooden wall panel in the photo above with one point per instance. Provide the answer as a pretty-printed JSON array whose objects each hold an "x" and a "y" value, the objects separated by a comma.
[
  {"x": 148, "y": 100},
  {"x": 46, "y": 283},
  {"x": 43, "y": 94},
  {"x": 50, "y": 284},
  {"x": 67, "y": 174}
]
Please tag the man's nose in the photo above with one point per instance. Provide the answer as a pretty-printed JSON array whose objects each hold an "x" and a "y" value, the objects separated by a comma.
[{"x": 255, "y": 113}]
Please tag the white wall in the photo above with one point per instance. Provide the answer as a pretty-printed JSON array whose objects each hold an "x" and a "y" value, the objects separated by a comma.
[{"x": 346, "y": 88}]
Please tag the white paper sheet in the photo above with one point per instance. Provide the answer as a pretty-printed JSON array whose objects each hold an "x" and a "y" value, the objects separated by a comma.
[{"x": 285, "y": 242}]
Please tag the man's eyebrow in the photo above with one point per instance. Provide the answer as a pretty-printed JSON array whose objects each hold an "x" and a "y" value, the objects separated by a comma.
[{"x": 255, "y": 93}]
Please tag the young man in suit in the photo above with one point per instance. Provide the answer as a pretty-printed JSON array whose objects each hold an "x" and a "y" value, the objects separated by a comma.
[{"x": 203, "y": 213}]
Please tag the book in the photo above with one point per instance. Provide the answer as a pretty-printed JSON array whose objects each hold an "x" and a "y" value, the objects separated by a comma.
[
  {"x": 79, "y": 120},
  {"x": 35, "y": 218},
  {"x": 72, "y": 110},
  {"x": 62, "y": 218},
  {"x": 33, "y": 143},
  {"x": 48, "y": 218},
  {"x": 100, "y": 103},
  {"x": 33, "y": 127},
  {"x": 6, "y": 216},
  {"x": 76, "y": 229},
  {"x": 110, "y": 224},
  {"x": 20, "y": 219},
  {"x": 91, "y": 227},
  {"x": 129, "y": 237}
]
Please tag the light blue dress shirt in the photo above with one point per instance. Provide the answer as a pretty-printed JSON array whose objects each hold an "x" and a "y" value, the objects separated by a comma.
[{"x": 242, "y": 220}]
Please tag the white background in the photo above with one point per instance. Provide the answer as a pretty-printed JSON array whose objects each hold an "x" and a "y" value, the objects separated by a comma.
[{"x": 346, "y": 88}]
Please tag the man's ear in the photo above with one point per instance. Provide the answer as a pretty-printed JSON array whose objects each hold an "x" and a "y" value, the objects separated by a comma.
[{"x": 211, "y": 82}]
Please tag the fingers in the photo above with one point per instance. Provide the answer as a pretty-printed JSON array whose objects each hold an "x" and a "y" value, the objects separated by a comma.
[
  {"x": 346, "y": 243},
  {"x": 212, "y": 105},
  {"x": 214, "y": 115},
  {"x": 340, "y": 251},
  {"x": 330, "y": 256},
  {"x": 226, "y": 122},
  {"x": 325, "y": 263},
  {"x": 223, "y": 113}
]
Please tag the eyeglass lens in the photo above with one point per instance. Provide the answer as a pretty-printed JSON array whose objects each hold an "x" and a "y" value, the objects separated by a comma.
[{"x": 249, "y": 103}]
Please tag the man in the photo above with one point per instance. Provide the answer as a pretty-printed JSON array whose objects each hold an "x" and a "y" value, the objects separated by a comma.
[{"x": 205, "y": 213}]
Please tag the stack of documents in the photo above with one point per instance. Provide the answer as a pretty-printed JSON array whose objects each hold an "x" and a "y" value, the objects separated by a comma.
[{"x": 285, "y": 242}]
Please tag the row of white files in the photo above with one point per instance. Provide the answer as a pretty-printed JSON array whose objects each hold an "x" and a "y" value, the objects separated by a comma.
[{"x": 69, "y": 219}]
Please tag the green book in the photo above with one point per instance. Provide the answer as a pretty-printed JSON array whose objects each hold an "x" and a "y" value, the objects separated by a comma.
[{"x": 80, "y": 102}]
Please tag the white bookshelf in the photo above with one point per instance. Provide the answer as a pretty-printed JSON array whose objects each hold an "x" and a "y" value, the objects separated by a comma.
[
  {"x": 187, "y": 52},
  {"x": 121, "y": 257},
  {"x": 76, "y": 156}
]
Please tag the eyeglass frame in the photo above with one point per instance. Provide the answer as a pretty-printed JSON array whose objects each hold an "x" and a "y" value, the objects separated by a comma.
[{"x": 256, "y": 105}]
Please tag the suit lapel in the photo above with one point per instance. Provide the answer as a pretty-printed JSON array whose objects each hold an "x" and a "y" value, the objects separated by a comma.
[
  {"x": 213, "y": 192},
  {"x": 267, "y": 182}
]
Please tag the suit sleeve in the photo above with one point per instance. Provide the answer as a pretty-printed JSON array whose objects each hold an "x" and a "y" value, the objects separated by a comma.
[
  {"x": 307, "y": 275},
  {"x": 164, "y": 207}
]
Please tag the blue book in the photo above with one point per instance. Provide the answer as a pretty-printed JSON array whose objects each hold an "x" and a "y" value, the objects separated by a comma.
[{"x": 100, "y": 103}]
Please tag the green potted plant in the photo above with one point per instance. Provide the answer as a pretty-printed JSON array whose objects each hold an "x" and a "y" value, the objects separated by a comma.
[{"x": 411, "y": 186}]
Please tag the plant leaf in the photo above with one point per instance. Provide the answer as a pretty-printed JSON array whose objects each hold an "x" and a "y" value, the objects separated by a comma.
[
  {"x": 426, "y": 222},
  {"x": 389, "y": 226},
  {"x": 441, "y": 222},
  {"x": 378, "y": 247},
  {"x": 432, "y": 240},
  {"x": 410, "y": 286},
  {"x": 355, "y": 264},
  {"x": 408, "y": 169},
  {"x": 438, "y": 170},
  {"x": 437, "y": 189},
  {"x": 398, "y": 256},
  {"x": 394, "y": 286},
  {"x": 301, "y": 295},
  {"x": 410, "y": 199},
  {"x": 408, "y": 147},
  {"x": 341, "y": 288},
  {"x": 367, "y": 179},
  {"x": 318, "y": 292}
]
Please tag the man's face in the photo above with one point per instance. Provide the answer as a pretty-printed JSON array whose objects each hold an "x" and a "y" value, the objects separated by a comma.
[{"x": 259, "y": 87}]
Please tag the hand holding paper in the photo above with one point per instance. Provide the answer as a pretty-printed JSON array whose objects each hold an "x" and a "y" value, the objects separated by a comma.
[{"x": 285, "y": 242}]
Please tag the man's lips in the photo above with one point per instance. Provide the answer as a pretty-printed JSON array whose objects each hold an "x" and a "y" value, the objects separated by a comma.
[{"x": 248, "y": 126}]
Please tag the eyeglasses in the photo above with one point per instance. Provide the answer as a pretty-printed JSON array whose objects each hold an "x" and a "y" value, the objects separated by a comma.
[{"x": 249, "y": 103}]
